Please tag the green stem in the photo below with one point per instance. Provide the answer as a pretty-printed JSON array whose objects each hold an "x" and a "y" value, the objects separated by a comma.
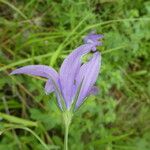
[
  {"x": 66, "y": 137},
  {"x": 67, "y": 116}
]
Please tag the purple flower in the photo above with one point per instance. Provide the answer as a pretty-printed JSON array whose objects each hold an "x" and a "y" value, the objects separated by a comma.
[{"x": 75, "y": 80}]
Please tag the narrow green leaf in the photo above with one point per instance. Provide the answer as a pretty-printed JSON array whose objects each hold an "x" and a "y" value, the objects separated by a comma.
[
  {"x": 14, "y": 8},
  {"x": 33, "y": 133},
  {"x": 17, "y": 120}
]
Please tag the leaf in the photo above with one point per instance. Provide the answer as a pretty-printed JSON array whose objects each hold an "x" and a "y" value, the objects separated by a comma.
[{"x": 17, "y": 120}]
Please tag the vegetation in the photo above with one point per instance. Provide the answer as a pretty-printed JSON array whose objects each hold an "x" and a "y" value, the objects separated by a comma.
[{"x": 45, "y": 32}]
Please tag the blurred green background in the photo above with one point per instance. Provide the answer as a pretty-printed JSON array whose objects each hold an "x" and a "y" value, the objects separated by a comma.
[{"x": 45, "y": 32}]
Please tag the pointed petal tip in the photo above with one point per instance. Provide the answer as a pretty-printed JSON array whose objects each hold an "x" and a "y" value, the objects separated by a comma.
[
  {"x": 94, "y": 90},
  {"x": 12, "y": 73},
  {"x": 47, "y": 92}
]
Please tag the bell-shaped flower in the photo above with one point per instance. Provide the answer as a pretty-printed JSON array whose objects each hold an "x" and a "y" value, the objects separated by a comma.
[{"x": 75, "y": 80}]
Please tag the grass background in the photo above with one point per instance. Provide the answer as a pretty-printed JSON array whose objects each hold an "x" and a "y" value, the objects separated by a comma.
[{"x": 45, "y": 32}]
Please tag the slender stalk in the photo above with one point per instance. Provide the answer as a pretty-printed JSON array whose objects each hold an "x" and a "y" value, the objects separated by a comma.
[
  {"x": 67, "y": 117},
  {"x": 66, "y": 137}
]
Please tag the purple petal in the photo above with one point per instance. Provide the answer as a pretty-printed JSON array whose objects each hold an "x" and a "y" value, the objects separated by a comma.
[
  {"x": 49, "y": 88},
  {"x": 40, "y": 70},
  {"x": 69, "y": 69},
  {"x": 88, "y": 73},
  {"x": 37, "y": 70},
  {"x": 93, "y": 39}
]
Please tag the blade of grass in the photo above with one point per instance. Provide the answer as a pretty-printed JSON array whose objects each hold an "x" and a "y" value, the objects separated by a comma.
[
  {"x": 114, "y": 49},
  {"x": 115, "y": 21},
  {"x": 94, "y": 26},
  {"x": 33, "y": 133},
  {"x": 56, "y": 54},
  {"x": 14, "y": 8},
  {"x": 45, "y": 56},
  {"x": 24, "y": 61},
  {"x": 17, "y": 120},
  {"x": 37, "y": 40}
]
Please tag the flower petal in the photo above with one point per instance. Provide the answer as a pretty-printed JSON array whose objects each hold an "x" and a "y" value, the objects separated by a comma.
[
  {"x": 93, "y": 39},
  {"x": 69, "y": 70},
  {"x": 88, "y": 73},
  {"x": 40, "y": 70},
  {"x": 37, "y": 70},
  {"x": 49, "y": 88}
]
